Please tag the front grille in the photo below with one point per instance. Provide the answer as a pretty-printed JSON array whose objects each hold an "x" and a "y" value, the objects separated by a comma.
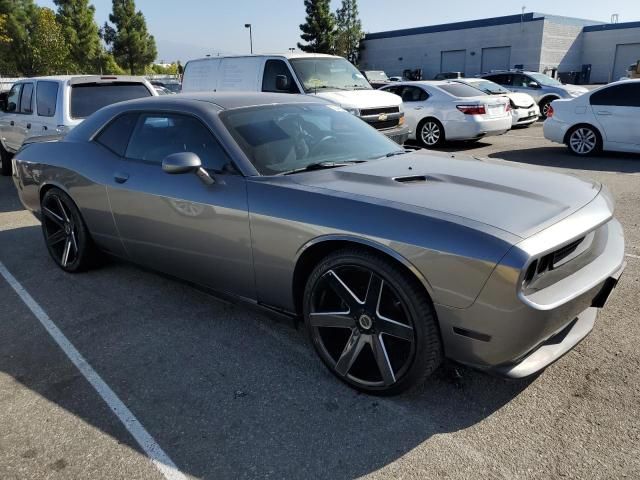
[
  {"x": 565, "y": 251},
  {"x": 385, "y": 124},
  {"x": 379, "y": 111}
]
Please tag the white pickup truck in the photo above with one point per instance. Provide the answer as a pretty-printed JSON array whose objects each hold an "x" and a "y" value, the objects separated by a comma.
[{"x": 49, "y": 106}]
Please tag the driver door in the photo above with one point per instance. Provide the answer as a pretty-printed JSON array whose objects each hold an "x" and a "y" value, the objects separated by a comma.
[{"x": 176, "y": 223}]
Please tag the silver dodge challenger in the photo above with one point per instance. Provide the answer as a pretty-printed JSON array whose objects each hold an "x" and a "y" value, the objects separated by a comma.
[{"x": 393, "y": 259}]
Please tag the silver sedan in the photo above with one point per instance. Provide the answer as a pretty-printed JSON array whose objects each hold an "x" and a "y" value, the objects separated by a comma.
[{"x": 393, "y": 260}]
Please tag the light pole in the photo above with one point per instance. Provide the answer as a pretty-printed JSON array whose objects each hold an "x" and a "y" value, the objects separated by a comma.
[{"x": 248, "y": 25}]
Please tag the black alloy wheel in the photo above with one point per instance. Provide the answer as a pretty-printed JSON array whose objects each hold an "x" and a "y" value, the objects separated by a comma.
[
  {"x": 372, "y": 326},
  {"x": 64, "y": 232}
]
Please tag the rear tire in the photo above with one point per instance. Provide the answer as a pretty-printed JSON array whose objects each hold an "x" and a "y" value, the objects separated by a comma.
[
  {"x": 5, "y": 162},
  {"x": 430, "y": 133},
  {"x": 584, "y": 140},
  {"x": 371, "y": 323},
  {"x": 65, "y": 233}
]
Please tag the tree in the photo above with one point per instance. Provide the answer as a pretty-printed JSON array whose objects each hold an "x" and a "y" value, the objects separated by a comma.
[
  {"x": 348, "y": 31},
  {"x": 76, "y": 17},
  {"x": 318, "y": 30},
  {"x": 131, "y": 44},
  {"x": 47, "y": 49},
  {"x": 19, "y": 17}
]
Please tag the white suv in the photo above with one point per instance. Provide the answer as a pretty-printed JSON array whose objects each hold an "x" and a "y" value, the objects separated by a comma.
[{"x": 51, "y": 106}]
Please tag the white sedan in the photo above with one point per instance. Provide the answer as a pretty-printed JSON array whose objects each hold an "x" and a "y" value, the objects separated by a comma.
[
  {"x": 607, "y": 118},
  {"x": 437, "y": 111},
  {"x": 524, "y": 109}
]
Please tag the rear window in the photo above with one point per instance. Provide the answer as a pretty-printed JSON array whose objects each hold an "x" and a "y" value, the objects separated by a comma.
[
  {"x": 86, "y": 98},
  {"x": 460, "y": 90}
]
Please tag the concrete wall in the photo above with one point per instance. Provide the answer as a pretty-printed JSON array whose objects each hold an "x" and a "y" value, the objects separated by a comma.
[
  {"x": 395, "y": 54},
  {"x": 561, "y": 47},
  {"x": 599, "y": 49}
]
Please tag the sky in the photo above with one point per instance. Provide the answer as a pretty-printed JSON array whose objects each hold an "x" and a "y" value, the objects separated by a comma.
[{"x": 188, "y": 29}]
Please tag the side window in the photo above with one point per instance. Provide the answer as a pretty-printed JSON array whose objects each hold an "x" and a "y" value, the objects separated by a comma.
[
  {"x": 157, "y": 135},
  {"x": 46, "y": 98},
  {"x": 520, "y": 80},
  {"x": 26, "y": 99},
  {"x": 14, "y": 98},
  {"x": 500, "y": 79},
  {"x": 272, "y": 69},
  {"x": 625, "y": 95},
  {"x": 115, "y": 136},
  {"x": 414, "y": 94},
  {"x": 397, "y": 90}
]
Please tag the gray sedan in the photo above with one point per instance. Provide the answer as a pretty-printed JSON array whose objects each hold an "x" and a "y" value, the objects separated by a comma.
[{"x": 394, "y": 260}]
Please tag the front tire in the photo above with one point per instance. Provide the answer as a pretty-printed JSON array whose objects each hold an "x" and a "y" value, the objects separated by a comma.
[
  {"x": 584, "y": 140},
  {"x": 430, "y": 133},
  {"x": 65, "y": 234},
  {"x": 371, "y": 323},
  {"x": 545, "y": 105},
  {"x": 5, "y": 162}
]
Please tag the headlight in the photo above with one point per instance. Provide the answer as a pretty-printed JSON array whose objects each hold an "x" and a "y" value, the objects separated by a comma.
[{"x": 353, "y": 111}]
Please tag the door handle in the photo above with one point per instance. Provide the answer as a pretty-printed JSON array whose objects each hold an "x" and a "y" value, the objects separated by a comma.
[
  {"x": 12, "y": 123},
  {"x": 603, "y": 112},
  {"x": 418, "y": 108},
  {"x": 120, "y": 177},
  {"x": 28, "y": 126},
  {"x": 44, "y": 127}
]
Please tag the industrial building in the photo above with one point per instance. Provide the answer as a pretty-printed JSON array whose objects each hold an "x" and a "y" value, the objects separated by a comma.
[{"x": 598, "y": 52}]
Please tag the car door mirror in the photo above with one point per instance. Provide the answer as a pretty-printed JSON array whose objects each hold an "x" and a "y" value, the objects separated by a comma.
[
  {"x": 534, "y": 85},
  {"x": 186, "y": 162},
  {"x": 282, "y": 83},
  {"x": 3, "y": 101}
]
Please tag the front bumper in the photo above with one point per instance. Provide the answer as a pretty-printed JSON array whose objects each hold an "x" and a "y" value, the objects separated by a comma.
[
  {"x": 515, "y": 335},
  {"x": 525, "y": 116},
  {"x": 398, "y": 134}
]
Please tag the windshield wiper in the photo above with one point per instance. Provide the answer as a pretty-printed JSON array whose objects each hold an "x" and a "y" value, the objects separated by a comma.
[
  {"x": 399, "y": 152},
  {"x": 322, "y": 166}
]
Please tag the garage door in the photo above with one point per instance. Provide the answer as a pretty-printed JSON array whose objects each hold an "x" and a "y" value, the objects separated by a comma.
[
  {"x": 496, "y": 58},
  {"x": 626, "y": 54},
  {"x": 453, "y": 61}
]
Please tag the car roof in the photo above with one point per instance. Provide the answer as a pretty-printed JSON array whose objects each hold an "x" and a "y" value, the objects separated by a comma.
[
  {"x": 433, "y": 83},
  {"x": 81, "y": 78},
  {"x": 225, "y": 100},
  {"x": 288, "y": 55}
]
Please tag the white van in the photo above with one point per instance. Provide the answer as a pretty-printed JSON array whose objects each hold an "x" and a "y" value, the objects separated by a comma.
[
  {"x": 51, "y": 106},
  {"x": 327, "y": 76}
]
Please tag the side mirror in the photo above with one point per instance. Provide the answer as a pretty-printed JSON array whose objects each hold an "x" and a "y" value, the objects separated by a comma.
[
  {"x": 186, "y": 162},
  {"x": 282, "y": 83},
  {"x": 4, "y": 96},
  {"x": 12, "y": 107},
  {"x": 534, "y": 85}
]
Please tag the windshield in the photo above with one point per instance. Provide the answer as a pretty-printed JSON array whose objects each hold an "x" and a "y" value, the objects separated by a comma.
[
  {"x": 328, "y": 74},
  {"x": 376, "y": 75},
  {"x": 282, "y": 138},
  {"x": 543, "y": 79},
  {"x": 487, "y": 86}
]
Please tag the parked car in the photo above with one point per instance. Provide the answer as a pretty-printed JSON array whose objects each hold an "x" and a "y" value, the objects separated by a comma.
[
  {"x": 45, "y": 106},
  {"x": 438, "y": 111},
  {"x": 524, "y": 110},
  {"x": 325, "y": 76},
  {"x": 162, "y": 90},
  {"x": 448, "y": 75},
  {"x": 541, "y": 87},
  {"x": 394, "y": 259},
  {"x": 376, "y": 78},
  {"x": 607, "y": 118},
  {"x": 173, "y": 86}
]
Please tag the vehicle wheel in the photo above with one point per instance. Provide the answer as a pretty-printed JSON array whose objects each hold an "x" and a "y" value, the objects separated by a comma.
[
  {"x": 65, "y": 233},
  {"x": 5, "y": 162},
  {"x": 430, "y": 133},
  {"x": 584, "y": 140},
  {"x": 371, "y": 323},
  {"x": 544, "y": 107}
]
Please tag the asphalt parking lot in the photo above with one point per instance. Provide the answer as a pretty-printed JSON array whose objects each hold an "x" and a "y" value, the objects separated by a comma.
[{"x": 228, "y": 392}]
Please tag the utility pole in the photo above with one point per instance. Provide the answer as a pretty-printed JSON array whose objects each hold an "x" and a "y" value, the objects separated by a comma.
[{"x": 248, "y": 25}]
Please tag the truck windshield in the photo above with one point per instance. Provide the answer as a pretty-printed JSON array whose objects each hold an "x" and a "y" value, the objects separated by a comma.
[
  {"x": 319, "y": 74},
  {"x": 288, "y": 138}
]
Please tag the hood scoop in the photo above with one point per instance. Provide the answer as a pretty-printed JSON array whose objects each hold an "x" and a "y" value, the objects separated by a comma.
[{"x": 411, "y": 179}]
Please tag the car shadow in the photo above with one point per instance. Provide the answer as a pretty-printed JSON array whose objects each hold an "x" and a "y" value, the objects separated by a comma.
[
  {"x": 8, "y": 199},
  {"x": 226, "y": 392},
  {"x": 451, "y": 146},
  {"x": 558, "y": 156}
]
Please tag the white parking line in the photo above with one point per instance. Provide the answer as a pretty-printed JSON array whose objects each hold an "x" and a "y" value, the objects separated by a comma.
[{"x": 155, "y": 453}]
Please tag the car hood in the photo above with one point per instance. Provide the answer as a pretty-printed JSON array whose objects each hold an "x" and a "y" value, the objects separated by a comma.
[
  {"x": 518, "y": 200},
  {"x": 362, "y": 98},
  {"x": 521, "y": 99},
  {"x": 573, "y": 88}
]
